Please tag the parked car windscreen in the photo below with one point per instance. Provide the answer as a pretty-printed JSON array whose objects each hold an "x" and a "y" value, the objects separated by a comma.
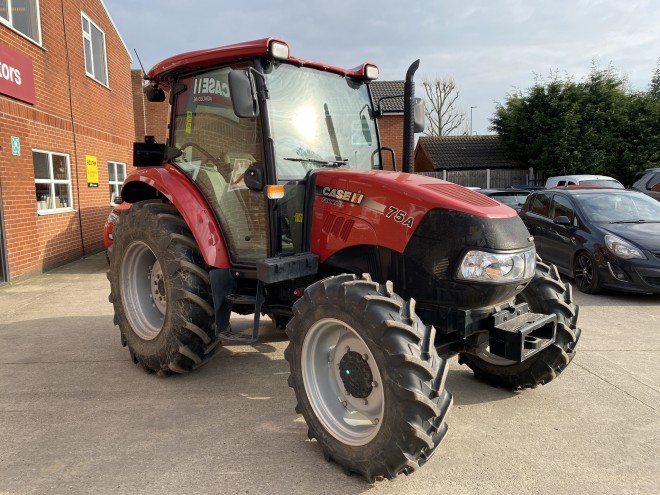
[
  {"x": 614, "y": 207},
  {"x": 602, "y": 182}
]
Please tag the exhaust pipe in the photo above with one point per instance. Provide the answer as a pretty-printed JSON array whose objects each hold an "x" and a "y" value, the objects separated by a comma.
[{"x": 409, "y": 117}]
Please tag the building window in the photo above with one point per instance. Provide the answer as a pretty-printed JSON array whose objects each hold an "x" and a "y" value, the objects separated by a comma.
[
  {"x": 23, "y": 16},
  {"x": 94, "y": 42},
  {"x": 52, "y": 177},
  {"x": 116, "y": 176}
]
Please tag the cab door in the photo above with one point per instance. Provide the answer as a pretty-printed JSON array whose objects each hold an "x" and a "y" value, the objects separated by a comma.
[{"x": 216, "y": 148}]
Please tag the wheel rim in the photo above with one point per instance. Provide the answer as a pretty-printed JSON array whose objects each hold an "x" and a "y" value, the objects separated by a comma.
[
  {"x": 143, "y": 291},
  {"x": 584, "y": 272},
  {"x": 336, "y": 368}
]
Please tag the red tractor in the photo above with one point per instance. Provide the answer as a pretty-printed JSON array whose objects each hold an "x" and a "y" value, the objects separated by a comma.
[{"x": 269, "y": 198}]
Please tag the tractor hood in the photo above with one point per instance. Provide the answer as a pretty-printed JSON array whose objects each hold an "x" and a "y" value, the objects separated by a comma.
[{"x": 386, "y": 208}]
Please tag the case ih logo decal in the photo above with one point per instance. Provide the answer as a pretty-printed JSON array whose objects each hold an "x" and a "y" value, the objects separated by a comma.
[{"x": 343, "y": 195}]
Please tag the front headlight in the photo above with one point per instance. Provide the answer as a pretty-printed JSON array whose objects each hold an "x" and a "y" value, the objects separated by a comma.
[
  {"x": 622, "y": 249},
  {"x": 481, "y": 266}
]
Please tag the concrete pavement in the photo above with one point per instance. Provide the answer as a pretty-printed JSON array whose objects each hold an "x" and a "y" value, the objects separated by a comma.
[{"x": 76, "y": 416}]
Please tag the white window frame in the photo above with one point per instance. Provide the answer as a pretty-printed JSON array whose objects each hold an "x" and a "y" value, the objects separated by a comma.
[
  {"x": 9, "y": 22},
  {"x": 116, "y": 184},
  {"x": 87, "y": 36},
  {"x": 45, "y": 210}
]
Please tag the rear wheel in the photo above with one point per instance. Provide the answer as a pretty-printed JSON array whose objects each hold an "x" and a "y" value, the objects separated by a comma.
[
  {"x": 367, "y": 377},
  {"x": 545, "y": 294},
  {"x": 160, "y": 290}
]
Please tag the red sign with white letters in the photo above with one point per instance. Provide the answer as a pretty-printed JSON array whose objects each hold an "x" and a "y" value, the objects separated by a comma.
[{"x": 16, "y": 75}]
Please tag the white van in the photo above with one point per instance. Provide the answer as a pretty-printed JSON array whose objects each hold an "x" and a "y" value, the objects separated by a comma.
[{"x": 589, "y": 180}]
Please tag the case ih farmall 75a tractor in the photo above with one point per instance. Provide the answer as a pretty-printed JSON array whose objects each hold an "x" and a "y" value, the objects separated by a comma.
[{"x": 269, "y": 198}]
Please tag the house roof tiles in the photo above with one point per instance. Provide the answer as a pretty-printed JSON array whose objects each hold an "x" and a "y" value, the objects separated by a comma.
[
  {"x": 393, "y": 91},
  {"x": 469, "y": 153}
]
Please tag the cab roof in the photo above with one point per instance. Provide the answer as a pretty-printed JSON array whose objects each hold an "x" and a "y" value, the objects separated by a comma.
[{"x": 164, "y": 72}]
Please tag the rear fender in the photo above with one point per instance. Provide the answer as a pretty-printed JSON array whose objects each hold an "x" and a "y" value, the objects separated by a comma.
[{"x": 167, "y": 180}]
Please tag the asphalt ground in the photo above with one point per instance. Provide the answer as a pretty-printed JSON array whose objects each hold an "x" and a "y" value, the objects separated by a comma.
[{"x": 76, "y": 416}]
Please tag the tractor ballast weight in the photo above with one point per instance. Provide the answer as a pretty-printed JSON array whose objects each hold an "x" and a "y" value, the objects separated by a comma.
[{"x": 269, "y": 198}]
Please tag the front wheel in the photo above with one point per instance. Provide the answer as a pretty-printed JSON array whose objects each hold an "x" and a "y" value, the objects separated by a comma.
[
  {"x": 545, "y": 294},
  {"x": 368, "y": 380},
  {"x": 586, "y": 273}
]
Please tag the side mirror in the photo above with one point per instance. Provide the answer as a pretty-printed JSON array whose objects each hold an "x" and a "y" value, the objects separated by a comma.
[
  {"x": 148, "y": 154},
  {"x": 243, "y": 94},
  {"x": 562, "y": 220},
  {"x": 154, "y": 94},
  {"x": 420, "y": 119},
  {"x": 254, "y": 178}
]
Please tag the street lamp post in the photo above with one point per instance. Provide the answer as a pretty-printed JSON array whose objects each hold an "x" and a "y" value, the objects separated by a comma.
[{"x": 471, "y": 108}]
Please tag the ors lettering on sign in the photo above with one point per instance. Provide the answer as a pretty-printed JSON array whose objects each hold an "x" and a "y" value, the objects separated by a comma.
[{"x": 16, "y": 75}]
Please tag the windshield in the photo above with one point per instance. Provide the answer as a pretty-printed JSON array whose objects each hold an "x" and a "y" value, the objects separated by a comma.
[
  {"x": 319, "y": 119},
  {"x": 614, "y": 207},
  {"x": 602, "y": 182}
]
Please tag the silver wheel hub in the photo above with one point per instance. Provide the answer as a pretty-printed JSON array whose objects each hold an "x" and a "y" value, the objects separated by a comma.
[
  {"x": 143, "y": 291},
  {"x": 342, "y": 382}
]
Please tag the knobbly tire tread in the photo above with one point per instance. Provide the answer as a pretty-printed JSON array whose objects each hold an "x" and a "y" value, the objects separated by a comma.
[
  {"x": 415, "y": 399},
  {"x": 187, "y": 339},
  {"x": 547, "y": 294}
]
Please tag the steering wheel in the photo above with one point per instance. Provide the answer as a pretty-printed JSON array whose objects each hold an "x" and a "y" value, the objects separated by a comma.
[{"x": 208, "y": 158}]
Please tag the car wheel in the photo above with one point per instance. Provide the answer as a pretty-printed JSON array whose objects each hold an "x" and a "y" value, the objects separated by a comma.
[{"x": 586, "y": 273}]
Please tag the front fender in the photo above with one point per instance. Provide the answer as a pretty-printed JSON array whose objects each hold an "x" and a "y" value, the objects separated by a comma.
[{"x": 144, "y": 183}]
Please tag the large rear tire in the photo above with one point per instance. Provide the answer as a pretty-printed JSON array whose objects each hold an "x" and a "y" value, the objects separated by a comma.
[
  {"x": 368, "y": 380},
  {"x": 545, "y": 294},
  {"x": 160, "y": 290}
]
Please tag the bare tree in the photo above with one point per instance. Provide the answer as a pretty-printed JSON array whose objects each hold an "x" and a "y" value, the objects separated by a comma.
[{"x": 440, "y": 108}]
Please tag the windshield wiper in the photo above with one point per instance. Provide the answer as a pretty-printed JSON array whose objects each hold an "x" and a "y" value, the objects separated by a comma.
[
  {"x": 322, "y": 163},
  {"x": 635, "y": 221}
]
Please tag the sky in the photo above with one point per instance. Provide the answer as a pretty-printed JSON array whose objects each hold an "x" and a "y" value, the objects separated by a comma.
[{"x": 491, "y": 48}]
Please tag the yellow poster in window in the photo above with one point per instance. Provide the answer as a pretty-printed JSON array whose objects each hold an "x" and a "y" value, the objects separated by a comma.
[{"x": 92, "y": 171}]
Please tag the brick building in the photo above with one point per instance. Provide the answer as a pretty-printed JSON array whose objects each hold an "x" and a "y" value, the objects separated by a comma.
[
  {"x": 150, "y": 118},
  {"x": 66, "y": 130},
  {"x": 389, "y": 96}
]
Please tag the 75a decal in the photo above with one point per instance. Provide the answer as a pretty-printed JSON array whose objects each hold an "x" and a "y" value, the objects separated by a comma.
[{"x": 399, "y": 216}]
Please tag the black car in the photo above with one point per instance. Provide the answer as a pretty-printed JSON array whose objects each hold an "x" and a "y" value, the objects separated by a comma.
[
  {"x": 648, "y": 182},
  {"x": 604, "y": 238},
  {"x": 514, "y": 198}
]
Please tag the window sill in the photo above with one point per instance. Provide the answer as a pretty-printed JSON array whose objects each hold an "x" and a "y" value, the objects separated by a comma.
[
  {"x": 54, "y": 212},
  {"x": 106, "y": 86},
  {"x": 37, "y": 43}
]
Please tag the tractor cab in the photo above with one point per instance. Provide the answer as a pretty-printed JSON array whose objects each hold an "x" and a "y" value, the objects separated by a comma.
[{"x": 247, "y": 133}]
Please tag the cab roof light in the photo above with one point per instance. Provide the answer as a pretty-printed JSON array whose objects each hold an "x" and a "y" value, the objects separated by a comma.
[
  {"x": 371, "y": 72},
  {"x": 275, "y": 191},
  {"x": 279, "y": 50}
]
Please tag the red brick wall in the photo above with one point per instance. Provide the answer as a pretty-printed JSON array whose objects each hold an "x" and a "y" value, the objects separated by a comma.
[
  {"x": 391, "y": 135},
  {"x": 95, "y": 120},
  {"x": 151, "y": 118}
]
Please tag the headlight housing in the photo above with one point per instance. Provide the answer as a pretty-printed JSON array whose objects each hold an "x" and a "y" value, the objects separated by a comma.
[
  {"x": 622, "y": 249},
  {"x": 499, "y": 268}
]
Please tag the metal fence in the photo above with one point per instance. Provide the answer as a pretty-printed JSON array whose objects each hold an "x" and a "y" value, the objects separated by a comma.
[{"x": 490, "y": 178}]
